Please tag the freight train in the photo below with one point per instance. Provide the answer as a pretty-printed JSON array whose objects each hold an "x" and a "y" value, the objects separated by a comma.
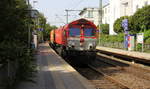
[{"x": 78, "y": 38}]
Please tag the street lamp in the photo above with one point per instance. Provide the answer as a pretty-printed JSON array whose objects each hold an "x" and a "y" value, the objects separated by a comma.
[
  {"x": 31, "y": 14},
  {"x": 28, "y": 3},
  {"x": 34, "y": 2}
]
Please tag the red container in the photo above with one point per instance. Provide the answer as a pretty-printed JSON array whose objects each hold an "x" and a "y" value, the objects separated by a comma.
[{"x": 60, "y": 37}]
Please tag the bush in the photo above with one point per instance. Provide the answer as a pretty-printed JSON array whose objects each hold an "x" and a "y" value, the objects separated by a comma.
[
  {"x": 147, "y": 36},
  {"x": 147, "y": 41},
  {"x": 139, "y": 47},
  {"x": 105, "y": 28},
  {"x": 112, "y": 38},
  {"x": 47, "y": 30},
  {"x": 141, "y": 19}
]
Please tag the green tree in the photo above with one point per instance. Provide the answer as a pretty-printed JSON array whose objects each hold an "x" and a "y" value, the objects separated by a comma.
[
  {"x": 47, "y": 30},
  {"x": 42, "y": 21},
  {"x": 44, "y": 35},
  {"x": 14, "y": 37},
  {"x": 13, "y": 28},
  {"x": 141, "y": 19},
  {"x": 104, "y": 28}
]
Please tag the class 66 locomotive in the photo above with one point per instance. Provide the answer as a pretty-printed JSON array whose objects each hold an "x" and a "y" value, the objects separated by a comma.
[{"x": 78, "y": 38}]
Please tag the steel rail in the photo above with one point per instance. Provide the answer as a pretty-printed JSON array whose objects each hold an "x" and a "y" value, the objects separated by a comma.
[
  {"x": 113, "y": 61},
  {"x": 110, "y": 78}
]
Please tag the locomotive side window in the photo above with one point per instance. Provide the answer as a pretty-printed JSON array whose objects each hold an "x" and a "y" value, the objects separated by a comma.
[
  {"x": 89, "y": 32},
  {"x": 74, "y": 32},
  {"x": 64, "y": 33}
]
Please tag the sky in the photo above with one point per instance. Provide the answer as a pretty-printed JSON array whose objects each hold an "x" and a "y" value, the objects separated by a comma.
[{"x": 54, "y": 10}]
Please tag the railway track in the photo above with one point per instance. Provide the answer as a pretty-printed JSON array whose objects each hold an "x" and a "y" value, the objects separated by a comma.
[
  {"x": 99, "y": 80},
  {"x": 130, "y": 76},
  {"x": 137, "y": 69},
  {"x": 108, "y": 72},
  {"x": 126, "y": 57}
]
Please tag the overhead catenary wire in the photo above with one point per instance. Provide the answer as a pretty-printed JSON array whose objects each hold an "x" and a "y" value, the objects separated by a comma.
[
  {"x": 60, "y": 19},
  {"x": 74, "y": 16},
  {"x": 72, "y": 10}
]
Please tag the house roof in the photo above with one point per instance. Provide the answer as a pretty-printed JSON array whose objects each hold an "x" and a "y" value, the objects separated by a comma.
[
  {"x": 91, "y": 8},
  {"x": 88, "y": 8}
]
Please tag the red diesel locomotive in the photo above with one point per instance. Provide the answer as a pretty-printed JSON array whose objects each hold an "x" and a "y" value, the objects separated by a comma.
[{"x": 76, "y": 38}]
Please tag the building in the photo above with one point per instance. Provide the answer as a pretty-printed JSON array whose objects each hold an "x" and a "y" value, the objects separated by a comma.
[
  {"x": 106, "y": 14},
  {"x": 91, "y": 14},
  {"x": 139, "y": 4},
  {"x": 112, "y": 11},
  {"x": 119, "y": 8}
]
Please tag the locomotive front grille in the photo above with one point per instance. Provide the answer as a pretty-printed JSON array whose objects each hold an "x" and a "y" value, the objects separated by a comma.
[{"x": 88, "y": 44}]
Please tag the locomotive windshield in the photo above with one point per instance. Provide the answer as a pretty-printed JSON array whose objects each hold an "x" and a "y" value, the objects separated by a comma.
[
  {"x": 89, "y": 32},
  {"x": 74, "y": 32}
]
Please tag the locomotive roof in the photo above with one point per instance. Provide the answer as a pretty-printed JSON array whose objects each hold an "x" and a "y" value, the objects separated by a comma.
[{"x": 81, "y": 22}]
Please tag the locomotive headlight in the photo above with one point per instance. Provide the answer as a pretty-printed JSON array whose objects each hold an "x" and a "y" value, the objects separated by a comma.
[
  {"x": 90, "y": 46},
  {"x": 72, "y": 44}
]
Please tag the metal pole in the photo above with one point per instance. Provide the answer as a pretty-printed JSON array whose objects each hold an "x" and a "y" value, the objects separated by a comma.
[
  {"x": 143, "y": 43},
  {"x": 34, "y": 2},
  {"x": 142, "y": 47},
  {"x": 8, "y": 69},
  {"x": 29, "y": 35},
  {"x": 100, "y": 17},
  {"x": 66, "y": 16},
  {"x": 28, "y": 3},
  {"x": 100, "y": 11}
]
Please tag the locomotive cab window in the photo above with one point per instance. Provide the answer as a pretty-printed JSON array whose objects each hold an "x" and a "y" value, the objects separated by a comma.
[
  {"x": 89, "y": 32},
  {"x": 64, "y": 33},
  {"x": 74, "y": 32}
]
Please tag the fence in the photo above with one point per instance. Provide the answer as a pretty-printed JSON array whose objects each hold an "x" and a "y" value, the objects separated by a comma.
[
  {"x": 7, "y": 74},
  {"x": 147, "y": 47},
  {"x": 120, "y": 45}
]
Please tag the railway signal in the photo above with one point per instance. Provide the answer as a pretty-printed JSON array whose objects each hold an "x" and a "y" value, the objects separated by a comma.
[{"x": 125, "y": 27}]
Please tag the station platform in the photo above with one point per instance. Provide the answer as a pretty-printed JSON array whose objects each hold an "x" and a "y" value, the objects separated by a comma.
[
  {"x": 55, "y": 73},
  {"x": 133, "y": 54}
]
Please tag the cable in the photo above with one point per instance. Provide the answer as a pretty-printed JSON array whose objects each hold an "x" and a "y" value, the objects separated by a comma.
[{"x": 60, "y": 19}]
